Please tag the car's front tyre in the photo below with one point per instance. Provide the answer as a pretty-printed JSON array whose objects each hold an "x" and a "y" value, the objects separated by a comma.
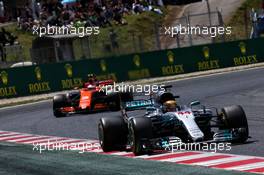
[
  {"x": 140, "y": 128},
  {"x": 59, "y": 101},
  {"x": 234, "y": 117},
  {"x": 112, "y": 132}
]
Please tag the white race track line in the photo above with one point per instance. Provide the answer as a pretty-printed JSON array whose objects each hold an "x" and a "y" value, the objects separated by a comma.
[
  {"x": 169, "y": 79},
  {"x": 220, "y": 161},
  {"x": 247, "y": 166},
  {"x": 26, "y": 104},
  {"x": 213, "y": 160},
  {"x": 178, "y": 159}
]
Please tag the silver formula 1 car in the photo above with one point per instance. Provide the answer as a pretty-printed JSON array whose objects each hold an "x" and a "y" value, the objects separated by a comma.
[{"x": 146, "y": 125}]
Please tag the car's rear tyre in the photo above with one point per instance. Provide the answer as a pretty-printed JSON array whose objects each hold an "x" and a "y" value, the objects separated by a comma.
[
  {"x": 140, "y": 129},
  {"x": 112, "y": 133},
  {"x": 234, "y": 117},
  {"x": 59, "y": 101}
]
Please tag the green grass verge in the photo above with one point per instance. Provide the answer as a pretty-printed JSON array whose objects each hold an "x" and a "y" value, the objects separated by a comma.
[
  {"x": 22, "y": 160},
  {"x": 238, "y": 20},
  {"x": 138, "y": 27},
  {"x": 24, "y": 38}
]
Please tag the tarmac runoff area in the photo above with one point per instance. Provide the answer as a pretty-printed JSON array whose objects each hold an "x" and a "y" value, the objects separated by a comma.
[{"x": 37, "y": 122}]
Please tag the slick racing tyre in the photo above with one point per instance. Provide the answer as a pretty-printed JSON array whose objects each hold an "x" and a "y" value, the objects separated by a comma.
[
  {"x": 140, "y": 130},
  {"x": 112, "y": 133},
  {"x": 59, "y": 101},
  {"x": 234, "y": 117}
]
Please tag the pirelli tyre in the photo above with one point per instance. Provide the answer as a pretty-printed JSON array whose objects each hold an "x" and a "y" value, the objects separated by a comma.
[
  {"x": 112, "y": 132},
  {"x": 234, "y": 117},
  {"x": 59, "y": 101},
  {"x": 140, "y": 131}
]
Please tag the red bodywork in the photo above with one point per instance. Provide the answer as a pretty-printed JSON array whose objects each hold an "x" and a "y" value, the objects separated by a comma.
[
  {"x": 86, "y": 98},
  {"x": 99, "y": 83}
]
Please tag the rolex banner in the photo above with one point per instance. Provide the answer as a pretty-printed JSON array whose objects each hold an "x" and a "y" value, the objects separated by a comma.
[{"x": 64, "y": 76}]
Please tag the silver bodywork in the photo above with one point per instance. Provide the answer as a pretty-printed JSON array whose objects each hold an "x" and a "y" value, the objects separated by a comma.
[{"x": 188, "y": 120}]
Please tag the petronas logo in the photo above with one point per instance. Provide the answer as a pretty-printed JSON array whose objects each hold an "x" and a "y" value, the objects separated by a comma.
[
  {"x": 170, "y": 56},
  {"x": 243, "y": 48},
  {"x": 38, "y": 73},
  {"x": 136, "y": 60},
  {"x": 206, "y": 52},
  {"x": 4, "y": 77},
  {"x": 103, "y": 65},
  {"x": 68, "y": 69}
]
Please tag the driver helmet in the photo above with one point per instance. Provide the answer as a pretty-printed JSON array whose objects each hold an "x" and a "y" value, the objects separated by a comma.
[
  {"x": 91, "y": 78},
  {"x": 170, "y": 106},
  {"x": 91, "y": 87}
]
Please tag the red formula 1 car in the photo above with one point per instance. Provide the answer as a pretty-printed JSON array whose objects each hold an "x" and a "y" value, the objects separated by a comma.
[{"x": 91, "y": 98}]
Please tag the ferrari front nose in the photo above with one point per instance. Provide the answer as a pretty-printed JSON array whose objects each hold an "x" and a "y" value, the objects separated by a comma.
[
  {"x": 85, "y": 100},
  {"x": 67, "y": 109},
  {"x": 83, "y": 107}
]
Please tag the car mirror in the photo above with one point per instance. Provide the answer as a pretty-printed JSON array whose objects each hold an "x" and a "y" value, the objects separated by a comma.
[
  {"x": 195, "y": 103},
  {"x": 150, "y": 108}
]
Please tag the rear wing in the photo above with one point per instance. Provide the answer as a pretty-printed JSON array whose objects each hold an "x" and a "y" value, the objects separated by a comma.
[
  {"x": 106, "y": 82},
  {"x": 151, "y": 93},
  {"x": 137, "y": 104}
]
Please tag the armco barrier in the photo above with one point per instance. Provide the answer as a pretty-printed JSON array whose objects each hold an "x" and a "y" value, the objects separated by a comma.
[{"x": 62, "y": 76}]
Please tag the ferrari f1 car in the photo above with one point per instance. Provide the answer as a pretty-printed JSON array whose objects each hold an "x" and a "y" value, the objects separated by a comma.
[
  {"x": 163, "y": 119},
  {"x": 91, "y": 98}
]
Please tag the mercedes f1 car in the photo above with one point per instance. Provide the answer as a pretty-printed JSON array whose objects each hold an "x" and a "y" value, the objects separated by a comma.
[
  {"x": 163, "y": 119},
  {"x": 91, "y": 98}
]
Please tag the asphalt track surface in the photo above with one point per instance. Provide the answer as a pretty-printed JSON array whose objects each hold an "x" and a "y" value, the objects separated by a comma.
[{"x": 245, "y": 88}]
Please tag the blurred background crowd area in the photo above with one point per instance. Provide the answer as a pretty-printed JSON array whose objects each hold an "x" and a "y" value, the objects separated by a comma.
[
  {"x": 72, "y": 12},
  {"x": 126, "y": 27},
  {"x": 17, "y": 18}
]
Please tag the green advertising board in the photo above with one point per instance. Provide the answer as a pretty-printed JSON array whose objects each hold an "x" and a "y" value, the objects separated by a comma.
[{"x": 47, "y": 78}]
